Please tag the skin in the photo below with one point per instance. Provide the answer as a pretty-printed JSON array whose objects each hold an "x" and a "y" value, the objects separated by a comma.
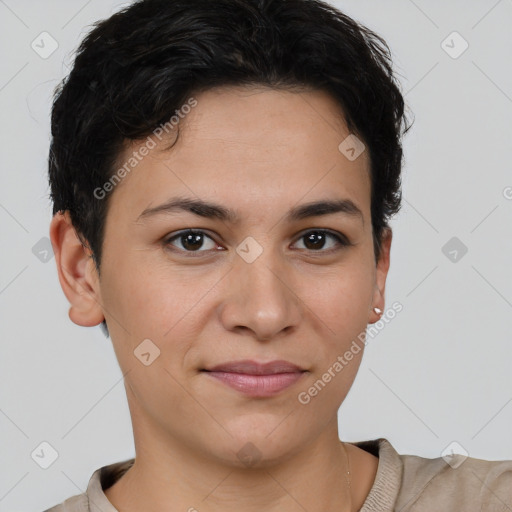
[{"x": 259, "y": 152}]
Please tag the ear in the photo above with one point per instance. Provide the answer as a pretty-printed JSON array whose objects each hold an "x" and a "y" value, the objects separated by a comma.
[
  {"x": 77, "y": 272},
  {"x": 381, "y": 273}
]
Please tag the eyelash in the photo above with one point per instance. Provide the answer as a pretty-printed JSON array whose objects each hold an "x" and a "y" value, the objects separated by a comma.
[{"x": 341, "y": 240}]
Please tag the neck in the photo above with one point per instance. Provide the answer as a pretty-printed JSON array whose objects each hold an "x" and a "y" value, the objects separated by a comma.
[{"x": 168, "y": 475}]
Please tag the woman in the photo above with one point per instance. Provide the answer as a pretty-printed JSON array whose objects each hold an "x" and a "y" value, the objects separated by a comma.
[{"x": 223, "y": 174}]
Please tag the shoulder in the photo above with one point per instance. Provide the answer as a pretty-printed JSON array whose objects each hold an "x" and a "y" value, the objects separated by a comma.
[
  {"x": 410, "y": 483},
  {"x": 78, "y": 503},
  {"x": 457, "y": 482},
  {"x": 94, "y": 499}
]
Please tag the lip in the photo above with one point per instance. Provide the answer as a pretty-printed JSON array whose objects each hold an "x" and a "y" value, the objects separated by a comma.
[
  {"x": 251, "y": 367},
  {"x": 256, "y": 379}
]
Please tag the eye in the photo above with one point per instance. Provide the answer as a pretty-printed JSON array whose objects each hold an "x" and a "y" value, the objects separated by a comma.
[
  {"x": 315, "y": 240},
  {"x": 191, "y": 241}
]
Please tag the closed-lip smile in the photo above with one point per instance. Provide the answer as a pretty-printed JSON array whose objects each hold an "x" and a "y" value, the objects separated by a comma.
[{"x": 256, "y": 379}]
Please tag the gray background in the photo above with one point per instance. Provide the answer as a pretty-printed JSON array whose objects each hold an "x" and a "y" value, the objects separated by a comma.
[{"x": 439, "y": 372}]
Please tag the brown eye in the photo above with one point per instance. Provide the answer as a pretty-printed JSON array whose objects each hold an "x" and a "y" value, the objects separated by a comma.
[
  {"x": 316, "y": 240},
  {"x": 191, "y": 241}
]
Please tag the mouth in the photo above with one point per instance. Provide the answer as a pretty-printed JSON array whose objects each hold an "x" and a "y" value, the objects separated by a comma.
[
  {"x": 250, "y": 367},
  {"x": 256, "y": 379}
]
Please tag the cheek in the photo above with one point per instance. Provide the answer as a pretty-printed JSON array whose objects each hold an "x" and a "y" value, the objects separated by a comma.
[
  {"x": 171, "y": 400},
  {"x": 342, "y": 300},
  {"x": 148, "y": 297},
  {"x": 162, "y": 304}
]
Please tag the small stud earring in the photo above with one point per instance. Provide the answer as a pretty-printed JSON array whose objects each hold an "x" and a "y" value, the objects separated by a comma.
[{"x": 378, "y": 311}]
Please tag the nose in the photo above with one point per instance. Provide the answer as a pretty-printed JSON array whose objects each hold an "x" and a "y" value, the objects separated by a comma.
[{"x": 260, "y": 298}]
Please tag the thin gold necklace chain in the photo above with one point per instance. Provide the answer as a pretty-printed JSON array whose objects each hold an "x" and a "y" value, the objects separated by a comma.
[{"x": 348, "y": 476}]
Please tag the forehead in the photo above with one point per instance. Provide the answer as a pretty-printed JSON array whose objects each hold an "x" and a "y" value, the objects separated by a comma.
[{"x": 246, "y": 147}]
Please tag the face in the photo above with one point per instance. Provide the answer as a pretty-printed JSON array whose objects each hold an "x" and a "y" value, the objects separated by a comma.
[{"x": 268, "y": 281}]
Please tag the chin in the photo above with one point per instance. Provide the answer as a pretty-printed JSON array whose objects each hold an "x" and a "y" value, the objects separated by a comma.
[{"x": 261, "y": 442}]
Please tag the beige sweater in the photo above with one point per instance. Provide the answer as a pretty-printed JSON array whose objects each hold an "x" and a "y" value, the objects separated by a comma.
[{"x": 404, "y": 483}]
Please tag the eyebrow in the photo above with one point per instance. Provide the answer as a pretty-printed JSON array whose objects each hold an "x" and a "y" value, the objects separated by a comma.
[{"x": 212, "y": 210}]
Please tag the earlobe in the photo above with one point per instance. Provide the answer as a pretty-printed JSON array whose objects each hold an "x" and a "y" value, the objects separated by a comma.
[
  {"x": 77, "y": 272},
  {"x": 381, "y": 273}
]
